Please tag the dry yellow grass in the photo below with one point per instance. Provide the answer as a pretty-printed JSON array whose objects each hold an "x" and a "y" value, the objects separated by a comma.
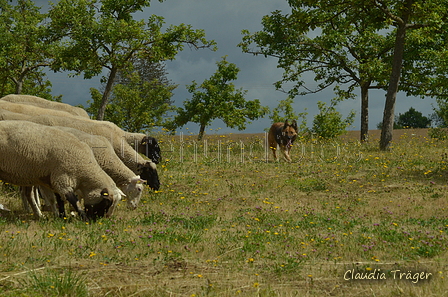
[{"x": 253, "y": 228}]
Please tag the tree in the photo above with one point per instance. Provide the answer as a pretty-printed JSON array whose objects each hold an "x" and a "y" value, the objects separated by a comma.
[
  {"x": 425, "y": 18},
  {"x": 139, "y": 99},
  {"x": 25, "y": 49},
  {"x": 328, "y": 123},
  {"x": 379, "y": 126},
  {"x": 340, "y": 42},
  {"x": 217, "y": 98},
  {"x": 103, "y": 34},
  {"x": 440, "y": 115},
  {"x": 355, "y": 42},
  {"x": 413, "y": 119}
]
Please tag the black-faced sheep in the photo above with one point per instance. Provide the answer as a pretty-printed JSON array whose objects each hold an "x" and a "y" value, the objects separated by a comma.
[
  {"x": 145, "y": 168},
  {"x": 44, "y": 103},
  {"x": 145, "y": 145},
  {"x": 124, "y": 178},
  {"x": 36, "y": 155}
]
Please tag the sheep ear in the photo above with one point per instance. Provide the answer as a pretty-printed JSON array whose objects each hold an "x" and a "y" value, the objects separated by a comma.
[
  {"x": 105, "y": 193},
  {"x": 121, "y": 192},
  {"x": 144, "y": 141},
  {"x": 151, "y": 165},
  {"x": 136, "y": 179}
]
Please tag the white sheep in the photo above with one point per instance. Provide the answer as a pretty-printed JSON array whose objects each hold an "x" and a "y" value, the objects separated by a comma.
[
  {"x": 145, "y": 145},
  {"x": 44, "y": 103},
  {"x": 145, "y": 168},
  {"x": 36, "y": 155},
  {"x": 104, "y": 154},
  {"x": 26, "y": 104},
  {"x": 106, "y": 157},
  {"x": 32, "y": 110}
]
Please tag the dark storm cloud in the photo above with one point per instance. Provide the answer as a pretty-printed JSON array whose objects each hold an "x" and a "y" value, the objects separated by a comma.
[{"x": 223, "y": 22}]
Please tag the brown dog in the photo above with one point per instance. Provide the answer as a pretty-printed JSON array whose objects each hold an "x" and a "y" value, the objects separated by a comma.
[{"x": 282, "y": 135}]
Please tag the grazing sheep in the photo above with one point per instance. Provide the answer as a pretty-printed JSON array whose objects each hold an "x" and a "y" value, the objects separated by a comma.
[
  {"x": 31, "y": 110},
  {"x": 105, "y": 155},
  {"x": 145, "y": 145},
  {"x": 142, "y": 143},
  {"x": 36, "y": 155},
  {"x": 145, "y": 168},
  {"x": 44, "y": 103}
]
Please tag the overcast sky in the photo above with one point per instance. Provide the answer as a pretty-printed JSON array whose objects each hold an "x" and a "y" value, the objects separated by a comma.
[{"x": 223, "y": 22}]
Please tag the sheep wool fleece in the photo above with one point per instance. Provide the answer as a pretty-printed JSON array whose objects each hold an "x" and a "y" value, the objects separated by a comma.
[{"x": 33, "y": 154}]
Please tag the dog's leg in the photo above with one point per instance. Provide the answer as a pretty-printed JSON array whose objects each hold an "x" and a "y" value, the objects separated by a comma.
[
  {"x": 272, "y": 144},
  {"x": 274, "y": 149},
  {"x": 285, "y": 151},
  {"x": 287, "y": 156}
]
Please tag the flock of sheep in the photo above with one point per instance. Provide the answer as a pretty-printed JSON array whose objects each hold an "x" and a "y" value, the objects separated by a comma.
[{"x": 56, "y": 151}]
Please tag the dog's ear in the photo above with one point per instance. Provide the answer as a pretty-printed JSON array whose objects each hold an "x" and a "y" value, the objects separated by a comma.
[
  {"x": 294, "y": 125},
  {"x": 286, "y": 124}
]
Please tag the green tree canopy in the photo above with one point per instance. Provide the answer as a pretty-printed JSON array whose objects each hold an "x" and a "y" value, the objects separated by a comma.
[
  {"x": 102, "y": 34},
  {"x": 358, "y": 43},
  {"x": 413, "y": 119},
  {"x": 25, "y": 49},
  {"x": 328, "y": 123},
  {"x": 140, "y": 100},
  {"x": 440, "y": 116},
  {"x": 339, "y": 42},
  {"x": 217, "y": 98},
  {"x": 284, "y": 111}
]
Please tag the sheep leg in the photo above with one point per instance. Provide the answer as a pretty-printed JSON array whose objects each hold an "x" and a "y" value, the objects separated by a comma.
[
  {"x": 36, "y": 197},
  {"x": 25, "y": 203},
  {"x": 29, "y": 194},
  {"x": 50, "y": 200},
  {"x": 61, "y": 206},
  {"x": 73, "y": 200}
]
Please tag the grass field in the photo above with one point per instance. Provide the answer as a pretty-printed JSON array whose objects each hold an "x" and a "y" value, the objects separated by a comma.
[{"x": 227, "y": 223}]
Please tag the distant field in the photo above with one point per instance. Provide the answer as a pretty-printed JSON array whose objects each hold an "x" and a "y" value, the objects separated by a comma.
[{"x": 227, "y": 223}]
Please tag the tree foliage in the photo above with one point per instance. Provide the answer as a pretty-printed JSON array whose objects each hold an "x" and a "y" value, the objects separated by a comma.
[
  {"x": 362, "y": 44},
  {"x": 25, "y": 49},
  {"x": 102, "y": 34},
  {"x": 339, "y": 42},
  {"x": 284, "y": 111},
  {"x": 328, "y": 123},
  {"x": 413, "y": 119},
  {"x": 413, "y": 22},
  {"x": 140, "y": 100},
  {"x": 217, "y": 98},
  {"x": 440, "y": 116}
]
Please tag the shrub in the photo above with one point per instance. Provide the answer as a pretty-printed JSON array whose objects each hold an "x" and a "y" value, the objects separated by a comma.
[{"x": 329, "y": 124}]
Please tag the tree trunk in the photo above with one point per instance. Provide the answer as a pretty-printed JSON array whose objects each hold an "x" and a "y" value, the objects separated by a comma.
[
  {"x": 19, "y": 87},
  {"x": 106, "y": 94},
  {"x": 389, "y": 108},
  {"x": 201, "y": 132},
  {"x": 364, "y": 111}
]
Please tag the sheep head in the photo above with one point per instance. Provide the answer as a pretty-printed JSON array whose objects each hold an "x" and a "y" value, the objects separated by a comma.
[
  {"x": 100, "y": 209},
  {"x": 148, "y": 171},
  {"x": 134, "y": 191},
  {"x": 150, "y": 148}
]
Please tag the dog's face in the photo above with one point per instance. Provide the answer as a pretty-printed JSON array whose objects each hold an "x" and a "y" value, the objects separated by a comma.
[{"x": 289, "y": 131}]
